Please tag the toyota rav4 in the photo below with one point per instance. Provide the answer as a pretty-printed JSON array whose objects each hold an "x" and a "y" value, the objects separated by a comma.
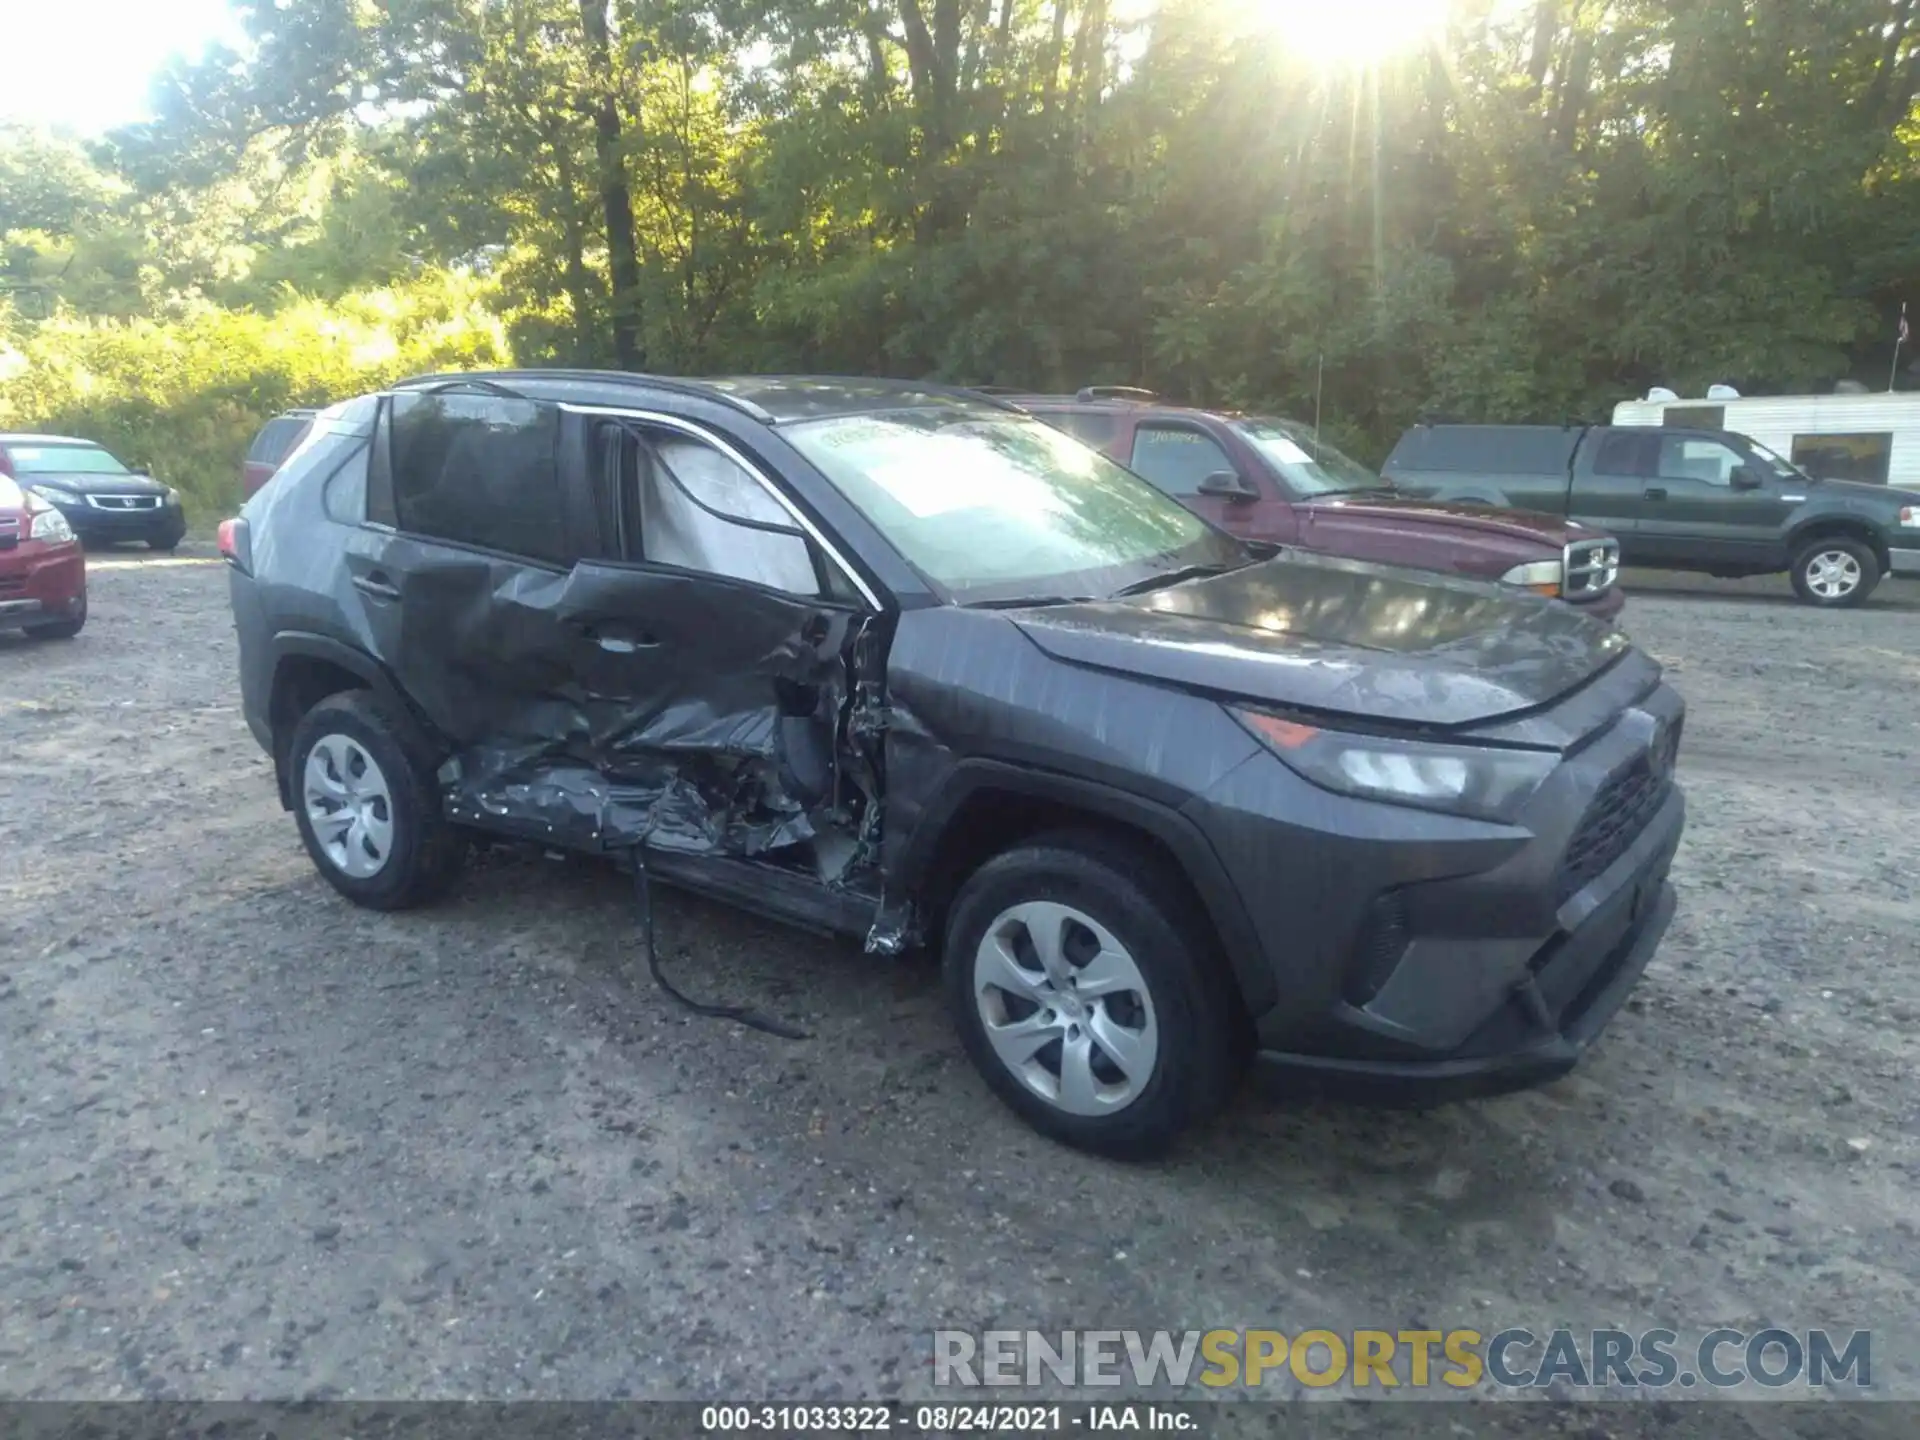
[{"x": 905, "y": 663}]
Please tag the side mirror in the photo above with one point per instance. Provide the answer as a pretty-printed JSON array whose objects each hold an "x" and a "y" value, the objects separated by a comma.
[
  {"x": 1226, "y": 485},
  {"x": 1744, "y": 478},
  {"x": 146, "y": 470}
]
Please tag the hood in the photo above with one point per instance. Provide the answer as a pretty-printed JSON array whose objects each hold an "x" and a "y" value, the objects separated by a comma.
[
  {"x": 89, "y": 484},
  {"x": 1341, "y": 637},
  {"x": 1521, "y": 524},
  {"x": 1859, "y": 491}
]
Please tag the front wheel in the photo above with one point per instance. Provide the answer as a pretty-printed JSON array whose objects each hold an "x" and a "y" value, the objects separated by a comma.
[
  {"x": 367, "y": 806},
  {"x": 62, "y": 629},
  {"x": 1085, "y": 988},
  {"x": 1835, "y": 573}
]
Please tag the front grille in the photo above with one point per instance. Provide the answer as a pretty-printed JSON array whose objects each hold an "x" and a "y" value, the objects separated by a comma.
[
  {"x": 9, "y": 531},
  {"x": 12, "y": 584},
  {"x": 1592, "y": 567},
  {"x": 1624, "y": 806},
  {"x": 124, "y": 502}
]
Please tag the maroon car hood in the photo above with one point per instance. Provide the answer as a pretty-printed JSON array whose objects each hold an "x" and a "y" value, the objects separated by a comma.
[{"x": 1521, "y": 524}]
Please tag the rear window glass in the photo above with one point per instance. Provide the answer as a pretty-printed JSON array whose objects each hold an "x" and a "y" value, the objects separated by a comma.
[
  {"x": 277, "y": 438},
  {"x": 479, "y": 470},
  {"x": 1486, "y": 449},
  {"x": 64, "y": 460},
  {"x": 1097, "y": 428}
]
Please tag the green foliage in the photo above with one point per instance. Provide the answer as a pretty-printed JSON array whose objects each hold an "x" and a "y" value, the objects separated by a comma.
[
  {"x": 1548, "y": 208},
  {"x": 186, "y": 395}
]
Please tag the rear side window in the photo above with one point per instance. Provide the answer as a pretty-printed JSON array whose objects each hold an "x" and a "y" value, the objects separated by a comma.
[
  {"x": 1485, "y": 449},
  {"x": 277, "y": 438},
  {"x": 479, "y": 470},
  {"x": 1097, "y": 428},
  {"x": 1626, "y": 452},
  {"x": 1176, "y": 458}
]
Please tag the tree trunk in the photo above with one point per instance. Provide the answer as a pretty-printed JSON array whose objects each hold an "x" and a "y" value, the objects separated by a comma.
[
  {"x": 616, "y": 196},
  {"x": 581, "y": 289}
]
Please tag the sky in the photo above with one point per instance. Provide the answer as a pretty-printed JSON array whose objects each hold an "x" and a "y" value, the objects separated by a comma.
[{"x": 86, "y": 64}]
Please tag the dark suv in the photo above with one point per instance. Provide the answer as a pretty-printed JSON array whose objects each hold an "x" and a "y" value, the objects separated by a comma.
[{"x": 902, "y": 662}]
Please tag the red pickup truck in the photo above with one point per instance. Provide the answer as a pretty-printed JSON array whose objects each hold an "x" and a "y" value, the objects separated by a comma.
[
  {"x": 1271, "y": 479},
  {"x": 43, "y": 572}
]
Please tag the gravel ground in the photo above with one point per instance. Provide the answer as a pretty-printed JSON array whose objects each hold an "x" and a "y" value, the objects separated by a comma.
[{"x": 258, "y": 1143}]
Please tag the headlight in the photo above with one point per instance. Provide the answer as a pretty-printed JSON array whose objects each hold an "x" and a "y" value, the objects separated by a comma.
[
  {"x": 55, "y": 494},
  {"x": 1910, "y": 515},
  {"x": 51, "y": 526},
  {"x": 1487, "y": 784},
  {"x": 1543, "y": 577}
]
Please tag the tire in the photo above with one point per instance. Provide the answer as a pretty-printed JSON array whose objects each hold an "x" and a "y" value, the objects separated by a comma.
[
  {"x": 1821, "y": 568},
  {"x": 396, "y": 854},
  {"x": 61, "y": 629},
  {"x": 1200, "y": 1038},
  {"x": 166, "y": 547}
]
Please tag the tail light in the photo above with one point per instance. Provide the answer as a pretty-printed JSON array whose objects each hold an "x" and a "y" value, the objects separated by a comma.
[{"x": 236, "y": 545}]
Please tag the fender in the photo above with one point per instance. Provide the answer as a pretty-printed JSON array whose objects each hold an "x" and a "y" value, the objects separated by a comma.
[
  {"x": 1853, "y": 527},
  {"x": 1184, "y": 839}
]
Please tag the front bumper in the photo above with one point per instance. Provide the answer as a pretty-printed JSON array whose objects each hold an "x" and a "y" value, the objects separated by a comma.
[
  {"x": 1420, "y": 957},
  {"x": 41, "y": 581},
  {"x": 1903, "y": 562},
  {"x": 164, "y": 524},
  {"x": 1606, "y": 607}
]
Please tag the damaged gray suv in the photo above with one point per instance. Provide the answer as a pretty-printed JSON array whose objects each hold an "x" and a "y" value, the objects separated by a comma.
[{"x": 903, "y": 663}]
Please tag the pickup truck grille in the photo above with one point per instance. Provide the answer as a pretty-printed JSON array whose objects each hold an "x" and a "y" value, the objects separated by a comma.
[
  {"x": 1622, "y": 808},
  {"x": 9, "y": 531},
  {"x": 1592, "y": 567}
]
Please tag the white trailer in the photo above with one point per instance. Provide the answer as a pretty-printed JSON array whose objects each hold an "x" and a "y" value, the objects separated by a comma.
[{"x": 1873, "y": 438}]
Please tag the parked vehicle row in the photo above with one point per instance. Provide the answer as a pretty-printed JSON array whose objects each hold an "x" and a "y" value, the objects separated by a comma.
[
  {"x": 907, "y": 663},
  {"x": 1677, "y": 498},
  {"x": 1268, "y": 479}
]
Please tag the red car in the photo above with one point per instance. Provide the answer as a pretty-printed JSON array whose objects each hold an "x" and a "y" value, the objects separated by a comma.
[
  {"x": 270, "y": 448},
  {"x": 43, "y": 572},
  {"x": 1270, "y": 479}
]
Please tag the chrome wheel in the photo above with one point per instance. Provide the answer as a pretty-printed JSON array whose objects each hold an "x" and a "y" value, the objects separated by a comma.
[
  {"x": 1065, "y": 1008},
  {"x": 349, "y": 806},
  {"x": 1833, "y": 574}
]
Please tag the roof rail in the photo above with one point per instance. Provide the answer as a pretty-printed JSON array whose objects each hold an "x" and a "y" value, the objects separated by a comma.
[
  {"x": 1117, "y": 392},
  {"x": 699, "y": 388}
]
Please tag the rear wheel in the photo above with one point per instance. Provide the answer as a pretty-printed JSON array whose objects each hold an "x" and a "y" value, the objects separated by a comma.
[
  {"x": 1085, "y": 988},
  {"x": 367, "y": 805},
  {"x": 1835, "y": 572}
]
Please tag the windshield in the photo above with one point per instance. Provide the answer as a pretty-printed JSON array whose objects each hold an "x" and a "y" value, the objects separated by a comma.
[
  {"x": 1001, "y": 507},
  {"x": 63, "y": 460},
  {"x": 1309, "y": 466}
]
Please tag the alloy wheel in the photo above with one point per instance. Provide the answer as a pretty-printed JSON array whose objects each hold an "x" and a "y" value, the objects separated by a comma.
[
  {"x": 349, "y": 805},
  {"x": 1833, "y": 574},
  {"x": 1065, "y": 1008}
]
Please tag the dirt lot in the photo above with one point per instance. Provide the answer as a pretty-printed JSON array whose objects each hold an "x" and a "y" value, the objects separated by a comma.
[{"x": 258, "y": 1143}]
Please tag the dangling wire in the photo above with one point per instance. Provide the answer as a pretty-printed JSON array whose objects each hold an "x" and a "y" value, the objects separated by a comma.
[{"x": 742, "y": 1014}]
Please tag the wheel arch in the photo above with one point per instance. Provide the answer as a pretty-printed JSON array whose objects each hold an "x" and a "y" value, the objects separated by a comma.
[
  {"x": 306, "y": 669},
  {"x": 986, "y": 807},
  {"x": 1838, "y": 527}
]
